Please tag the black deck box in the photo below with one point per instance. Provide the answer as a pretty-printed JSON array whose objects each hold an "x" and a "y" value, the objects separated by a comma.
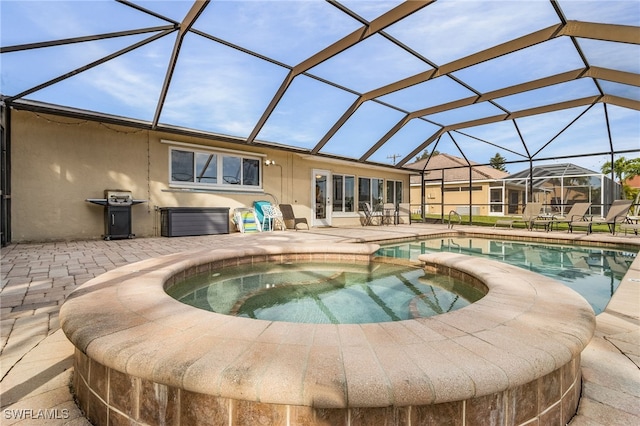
[{"x": 189, "y": 221}]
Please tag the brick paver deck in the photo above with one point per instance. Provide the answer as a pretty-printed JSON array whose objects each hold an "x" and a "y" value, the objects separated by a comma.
[{"x": 35, "y": 356}]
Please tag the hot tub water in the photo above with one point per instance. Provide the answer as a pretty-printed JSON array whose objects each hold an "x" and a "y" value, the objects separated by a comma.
[{"x": 322, "y": 293}]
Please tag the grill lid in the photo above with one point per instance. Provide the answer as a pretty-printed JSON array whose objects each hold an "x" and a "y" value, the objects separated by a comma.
[
  {"x": 118, "y": 198},
  {"x": 115, "y": 197}
]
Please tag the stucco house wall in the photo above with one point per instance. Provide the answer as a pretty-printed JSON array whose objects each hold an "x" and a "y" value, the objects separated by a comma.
[
  {"x": 59, "y": 162},
  {"x": 452, "y": 172},
  {"x": 454, "y": 199}
]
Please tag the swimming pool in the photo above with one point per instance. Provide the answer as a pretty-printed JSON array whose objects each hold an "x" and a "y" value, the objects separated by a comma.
[
  {"x": 593, "y": 272},
  {"x": 325, "y": 292}
]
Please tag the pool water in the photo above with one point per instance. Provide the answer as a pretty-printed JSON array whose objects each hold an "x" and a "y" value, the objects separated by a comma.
[
  {"x": 594, "y": 273},
  {"x": 325, "y": 292}
]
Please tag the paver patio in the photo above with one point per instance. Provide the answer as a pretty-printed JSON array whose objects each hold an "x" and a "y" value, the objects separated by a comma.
[{"x": 36, "y": 357}]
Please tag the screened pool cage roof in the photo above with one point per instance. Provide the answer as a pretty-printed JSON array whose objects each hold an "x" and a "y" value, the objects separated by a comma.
[
  {"x": 374, "y": 82},
  {"x": 543, "y": 174},
  {"x": 554, "y": 171}
]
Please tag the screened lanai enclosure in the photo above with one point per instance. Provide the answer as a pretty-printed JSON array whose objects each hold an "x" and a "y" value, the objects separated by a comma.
[
  {"x": 540, "y": 82},
  {"x": 558, "y": 187},
  {"x": 481, "y": 190}
]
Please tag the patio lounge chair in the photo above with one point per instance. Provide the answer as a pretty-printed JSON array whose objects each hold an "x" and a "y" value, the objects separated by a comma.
[
  {"x": 246, "y": 220},
  {"x": 576, "y": 213},
  {"x": 617, "y": 214},
  {"x": 289, "y": 218},
  {"x": 529, "y": 214},
  {"x": 631, "y": 224},
  {"x": 258, "y": 207}
]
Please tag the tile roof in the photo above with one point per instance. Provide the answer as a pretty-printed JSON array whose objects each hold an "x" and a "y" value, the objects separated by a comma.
[{"x": 454, "y": 168}]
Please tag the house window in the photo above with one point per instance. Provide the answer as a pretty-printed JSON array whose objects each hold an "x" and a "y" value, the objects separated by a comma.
[
  {"x": 495, "y": 202},
  {"x": 462, "y": 189},
  {"x": 370, "y": 190},
  {"x": 214, "y": 169},
  {"x": 394, "y": 192},
  {"x": 343, "y": 193}
]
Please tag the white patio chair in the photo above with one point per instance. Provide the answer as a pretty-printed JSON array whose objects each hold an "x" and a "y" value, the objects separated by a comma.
[{"x": 272, "y": 217}]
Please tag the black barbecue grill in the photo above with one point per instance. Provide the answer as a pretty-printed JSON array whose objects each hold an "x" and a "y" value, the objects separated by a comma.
[{"x": 117, "y": 213}]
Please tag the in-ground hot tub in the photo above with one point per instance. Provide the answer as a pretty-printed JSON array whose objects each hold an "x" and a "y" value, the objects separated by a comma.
[
  {"x": 326, "y": 292},
  {"x": 141, "y": 356}
]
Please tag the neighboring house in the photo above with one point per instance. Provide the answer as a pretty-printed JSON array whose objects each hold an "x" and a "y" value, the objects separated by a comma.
[
  {"x": 446, "y": 182},
  {"x": 634, "y": 182},
  {"x": 494, "y": 193}
]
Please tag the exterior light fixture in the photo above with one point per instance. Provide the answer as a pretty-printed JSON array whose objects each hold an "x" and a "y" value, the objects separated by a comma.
[{"x": 269, "y": 162}]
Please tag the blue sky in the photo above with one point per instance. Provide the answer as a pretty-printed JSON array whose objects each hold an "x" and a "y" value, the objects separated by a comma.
[{"x": 220, "y": 89}]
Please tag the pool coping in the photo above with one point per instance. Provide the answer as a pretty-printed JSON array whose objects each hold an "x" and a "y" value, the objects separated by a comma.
[{"x": 527, "y": 326}]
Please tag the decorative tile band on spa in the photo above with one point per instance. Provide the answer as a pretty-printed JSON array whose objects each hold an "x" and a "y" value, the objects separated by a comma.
[{"x": 110, "y": 397}]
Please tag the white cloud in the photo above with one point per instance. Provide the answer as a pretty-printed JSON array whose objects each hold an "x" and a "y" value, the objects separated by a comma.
[
  {"x": 217, "y": 89},
  {"x": 448, "y": 30},
  {"x": 624, "y": 12}
]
